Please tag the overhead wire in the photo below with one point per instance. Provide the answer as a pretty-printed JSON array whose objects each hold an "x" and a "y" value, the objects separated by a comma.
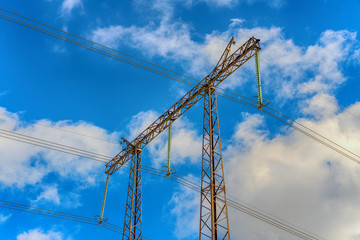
[
  {"x": 176, "y": 178},
  {"x": 329, "y": 143},
  {"x": 318, "y": 93},
  {"x": 247, "y": 210},
  {"x": 57, "y": 214},
  {"x": 68, "y": 131},
  {"x": 250, "y": 104},
  {"x": 101, "y": 45},
  {"x": 201, "y": 31},
  {"x": 253, "y": 105},
  {"x": 319, "y": 138}
]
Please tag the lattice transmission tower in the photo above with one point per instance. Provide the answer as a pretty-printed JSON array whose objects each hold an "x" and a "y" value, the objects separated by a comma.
[{"x": 214, "y": 221}]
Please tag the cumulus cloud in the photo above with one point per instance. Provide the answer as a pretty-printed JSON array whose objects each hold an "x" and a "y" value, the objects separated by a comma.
[
  {"x": 37, "y": 233},
  {"x": 294, "y": 178},
  {"x": 23, "y": 164}
]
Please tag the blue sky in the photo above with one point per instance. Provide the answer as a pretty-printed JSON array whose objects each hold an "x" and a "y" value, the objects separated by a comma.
[{"x": 63, "y": 93}]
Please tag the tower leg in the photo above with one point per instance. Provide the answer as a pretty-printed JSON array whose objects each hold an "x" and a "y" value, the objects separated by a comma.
[
  {"x": 214, "y": 222},
  {"x": 133, "y": 213}
]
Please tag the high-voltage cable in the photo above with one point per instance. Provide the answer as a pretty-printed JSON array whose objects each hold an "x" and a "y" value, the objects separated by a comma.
[
  {"x": 194, "y": 186},
  {"x": 57, "y": 214},
  {"x": 252, "y": 103},
  {"x": 39, "y": 29},
  {"x": 222, "y": 39},
  {"x": 251, "y": 212},
  {"x": 90, "y": 49}
]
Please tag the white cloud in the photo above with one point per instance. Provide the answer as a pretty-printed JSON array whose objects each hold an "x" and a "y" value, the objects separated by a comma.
[
  {"x": 23, "y": 164},
  {"x": 185, "y": 207},
  {"x": 4, "y": 218},
  {"x": 68, "y": 6},
  {"x": 294, "y": 178},
  {"x": 37, "y": 234}
]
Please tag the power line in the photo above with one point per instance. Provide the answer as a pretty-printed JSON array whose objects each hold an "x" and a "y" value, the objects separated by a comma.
[
  {"x": 158, "y": 172},
  {"x": 318, "y": 93},
  {"x": 317, "y": 137},
  {"x": 57, "y": 214},
  {"x": 68, "y": 131},
  {"x": 203, "y": 32},
  {"x": 281, "y": 224},
  {"x": 250, "y": 104},
  {"x": 83, "y": 45},
  {"x": 254, "y": 213},
  {"x": 105, "y": 53}
]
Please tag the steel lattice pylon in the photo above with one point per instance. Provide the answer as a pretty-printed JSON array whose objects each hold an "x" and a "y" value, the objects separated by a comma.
[
  {"x": 133, "y": 213},
  {"x": 214, "y": 222}
]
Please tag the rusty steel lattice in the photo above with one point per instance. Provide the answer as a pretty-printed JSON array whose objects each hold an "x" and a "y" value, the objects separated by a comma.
[
  {"x": 226, "y": 66},
  {"x": 133, "y": 213},
  {"x": 214, "y": 222}
]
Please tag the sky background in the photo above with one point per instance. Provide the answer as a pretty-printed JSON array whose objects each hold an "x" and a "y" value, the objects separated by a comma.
[{"x": 60, "y": 92}]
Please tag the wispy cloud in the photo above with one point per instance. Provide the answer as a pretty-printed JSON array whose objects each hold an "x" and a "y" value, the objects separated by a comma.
[
  {"x": 49, "y": 194},
  {"x": 4, "y": 218},
  {"x": 3, "y": 93},
  {"x": 68, "y": 6}
]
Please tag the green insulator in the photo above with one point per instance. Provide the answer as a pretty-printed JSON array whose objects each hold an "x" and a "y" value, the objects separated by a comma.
[
  {"x": 104, "y": 200},
  {"x": 258, "y": 79},
  {"x": 169, "y": 150}
]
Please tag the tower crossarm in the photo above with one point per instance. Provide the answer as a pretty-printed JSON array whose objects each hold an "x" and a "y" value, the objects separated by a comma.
[{"x": 227, "y": 64}]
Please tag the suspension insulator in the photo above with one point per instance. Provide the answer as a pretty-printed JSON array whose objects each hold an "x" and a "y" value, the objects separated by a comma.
[
  {"x": 104, "y": 200},
  {"x": 258, "y": 80},
  {"x": 168, "y": 170}
]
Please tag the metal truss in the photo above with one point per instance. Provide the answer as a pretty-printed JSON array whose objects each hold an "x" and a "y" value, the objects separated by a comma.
[
  {"x": 214, "y": 222},
  {"x": 133, "y": 213},
  {"x": 227, "y": 64}
]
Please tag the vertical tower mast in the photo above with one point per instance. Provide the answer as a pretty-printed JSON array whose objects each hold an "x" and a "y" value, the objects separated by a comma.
[
  {"x": 214, "y": 221},
  {"x": 133, "y": 213}
]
